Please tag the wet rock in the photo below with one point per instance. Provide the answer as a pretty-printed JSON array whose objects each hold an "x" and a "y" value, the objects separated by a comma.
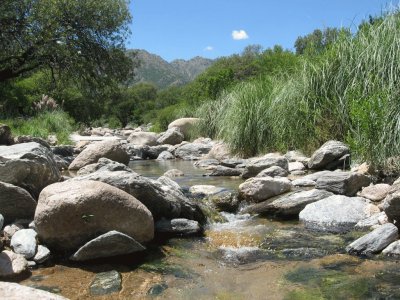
[
  {"x": 375, "y": 192},
  {"x": 14, "y": 291},
  {"x": 184, "y": 125},
  {"x": 5, "y": 135},
  {"x": 374, "y": 241},
  {"x": 255, "y": 166},
  {"x": 106, "y": 283},
  {"x": 171, "y": 137},
  {"x": 328, "y": 155},
  {"x": 165, "y": 155},
  {"x": 157, "y": 289},
  {"x": 219, "y": 151},
  {"x": 173, "y": 173},
  {"x": 1, "y": 221},
  {"x": 71, "y": 213},
  {"x": 263, "y": 188},
  {"x": 177, "y": 226},
  {"x": 372, "y": 221},
  {"x": 288, "y": 206},
  {"x": 334, "y": 214},
  {"x": 193, "y": 151},
  {"x": 343, "y": 183},
  {"x": 205, "y": 190},
  {"x": 112, "y": 243},
  {"x": 296, "y": 166},
  {"x": 29, "y": 165},
  {"x": 209, "y": 163},
  {"x": 24, "y": 242},
  {"x": 241, "y": 255},
  {"x": 225, "y": 201},
  {"x": 274, "y": 171},
  {"x": 304, "y": 253},
  {"x": 303, "y": 182},
  {"x": 12, "y": 264},
  {"x": 43, "y": 254},
  {"x": 143, "y": 138},
  {"x": 393, "y": 249},
  {"x": 225, "y": 171}
]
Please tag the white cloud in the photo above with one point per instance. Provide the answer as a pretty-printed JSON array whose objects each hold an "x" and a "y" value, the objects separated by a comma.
[
  {"x": 239, "y": 35},
  {"x": 209, "y": 48}
]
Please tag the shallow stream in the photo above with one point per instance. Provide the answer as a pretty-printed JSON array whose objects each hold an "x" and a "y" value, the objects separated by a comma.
[{"x": 243, "y": 258}]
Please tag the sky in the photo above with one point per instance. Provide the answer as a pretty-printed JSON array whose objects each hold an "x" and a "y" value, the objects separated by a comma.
[{"x": 183, "y": 29}]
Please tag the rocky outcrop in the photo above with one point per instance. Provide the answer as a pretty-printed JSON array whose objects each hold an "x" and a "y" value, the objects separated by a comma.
[
  {"x": 171, "y": 137},
  {"x": 71, "y": 213},
  {"x": 28, "y": 165},
  {"x": 14, "y": 291},
  {"x": 343, "y": 183},
  {"x": 143, "y": 138},
  {"x": 263, "y": 188},
  {"x": 255, "y": 166},
  {"x": 111, "y": 149},
  {"x": 184, "y": 125},
  {"x": 331, "y": 155}
]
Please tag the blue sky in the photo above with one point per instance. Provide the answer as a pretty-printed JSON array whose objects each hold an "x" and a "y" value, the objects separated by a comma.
[{"x": 212, "y": 28}]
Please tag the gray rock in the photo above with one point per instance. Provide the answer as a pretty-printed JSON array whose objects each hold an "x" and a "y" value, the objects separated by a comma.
[
  {"x": 112, "y": 243},
  {"x": 151, "y": 152},
  {"x": 209, "y": 163},
  {"x": 375, "y": 192},
  {"x": 177, "y": 226},
  {"x": 173, "y": 173},
  {"x": 393, "y": 249},
  {"x": 219, "y": 151},
  {"x": 335, "y": 214},
  {"x": 296, "y": 166},
  {"x": 30, "y": 139},
  {"x": 232, "y": 162},
  {"x": 12, "y": 264},
  {"x": 1, "y": 221},
  {"x": 111, "y": 149},
  {"x": 297, "y": 156},
  {"x": 15, "y": 291},
  {"x": 15, "y": 202},
  {"x": 225, "y": 201},
  {"x": 106, "y": 283},
  {"x": 165, "y": 155},
  {"x": 343, "y": 183},
  {"x": 63, "y": 150},
  {"x": 303, "y": 182},
  {"x": 255, "y": 166},
  {"x": 316, "y": 175},
  {"x": 10, "y": 230},
  {"x": 24, "y": 242},
  {"x": 5, "y": 135},
  {"x": 373, "y": 221},
  {"x": 171, "y": 137},
  {"x": 374, "y": 241},
  {"x": 328, "y": 155},
  {"x": 143, "y": 138},
  {"x": 62, "y": 164},
  {"x": 192, "y": 151},
  {"x": 288, "y": 206},
  {"x": 28, "y": 165},
  {"x": 205, "y": 190},
  {"x": 225, "y": 171},
  {"x": 263, "y": 188},
  {"x": 42, "y": 254},
  {"x": 274, "y": 171},
  {"x": 184, "y": 125}
]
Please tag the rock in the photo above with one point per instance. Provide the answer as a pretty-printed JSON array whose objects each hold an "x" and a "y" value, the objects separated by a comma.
[
  {"x": 255, "y": 166},
  {"x": 148, "y": 152},
  {"x": 372, "y": 221},
  {"x": 1, "y": 221},
  {"x": 157, "y": 289},
  {"x": 288, "y": 206},
  {"x": 335, "y": 214},
  {"x": 219, "y": 151},
  {"x": 303, "y": 182},
  {"x": 374, "y": 241},
  {"x": 171, "y": 137},
  {"x": 112, "y": 243},
  {"x": 11, "y": 265},
  {"x": 192, "y": 151},
  {"x": 375, "y": 192},
  {"x": 328, "y": 155},
  {"x": 274, "y": 171},
  {"x": 296, "y": 166},
  {"x": 165, "y": 155},
  {"x": 225, "y": 201},
  {"x": 43, "y": 254},
  {"x": 111, "y": 149},
  {"x": 391, "y": 204},
  {"x": 225, "y": 171},
  {"x": 106, "y": 283},
  {"x": 184, "y": 125},
  {"x": 343, "y": 183},
  {"x": 30, "y": 139},
  {"x": 24, "y": 242},
  {"x": 206, "y": 163},
  {"x": 62, "y": 164},
  {"x": 205, "y": 190},
  {"x": 28, "y": 165},
  {"x": 15, "y": 291},
  {"x": 233, "y": 162},
  {"x": 15, "y": 202},
  {"x": 174, "y": 173},
  {"x": 63, "y": 150},
  {"x": 143, "y": 138},
  {"x": 263, "y": 188},
  {"x": 316, "y": 175},
  {"x": 10, "y": 230},
  {"x": 52, "y": 140},
  {"x": 5, "y": 135},
  {"x": 71, "y": 213},
  {"x": 178, "y": 226},
  {"x": 297, "y": 156},
  {"x": 393, "y": 249}
]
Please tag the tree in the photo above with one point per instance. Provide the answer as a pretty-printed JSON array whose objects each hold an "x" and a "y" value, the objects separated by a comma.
[{"x": 83, "y": 39}]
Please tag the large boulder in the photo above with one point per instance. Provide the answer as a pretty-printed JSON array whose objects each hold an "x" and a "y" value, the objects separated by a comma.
[
  {"x": 374, "y": 241},
  {"x": 11, "y": 265},
  {"x": 328, "y": 156},
  {"x": 343, "y": 183},
  {"x": 15, "y": 203},
  {"x": 143, "y": 138},
  {"x": 73, "y": 212},
  {"x": 335, "y": 214},
  {"x": 15, "y": 291},
  {"x": 255, "y": 166},
  {"x": 184, "y": 125},
  {"x": 28, "y": 165},
  {"x": 193, "y": 151},
  {"x": 171, "y": 137},
  {"x": 262, "y": 188},
  {"x": 111, "y": 149}
]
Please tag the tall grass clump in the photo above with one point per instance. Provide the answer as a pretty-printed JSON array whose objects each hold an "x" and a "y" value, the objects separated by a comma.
[{"x": 43, "y": 124}]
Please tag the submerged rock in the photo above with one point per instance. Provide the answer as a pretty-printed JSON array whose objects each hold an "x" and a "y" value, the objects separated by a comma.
[
  {"x": 343, "y": 183},
  {"x": 14, "y": 291},
  {"x": 24, "y": 242},
  {"x": 106, "y": 283},
  {"x": 263, "y": 188},
  {"x": 173, "y": 173},
  {"x": 328, "y": 156}
]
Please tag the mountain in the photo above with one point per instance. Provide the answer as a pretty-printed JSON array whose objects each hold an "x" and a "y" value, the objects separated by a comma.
[{"x": 154, "y": 69}]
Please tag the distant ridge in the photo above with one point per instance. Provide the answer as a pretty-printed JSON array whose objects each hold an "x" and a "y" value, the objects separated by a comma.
[{"x": 154, "y": 69}]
